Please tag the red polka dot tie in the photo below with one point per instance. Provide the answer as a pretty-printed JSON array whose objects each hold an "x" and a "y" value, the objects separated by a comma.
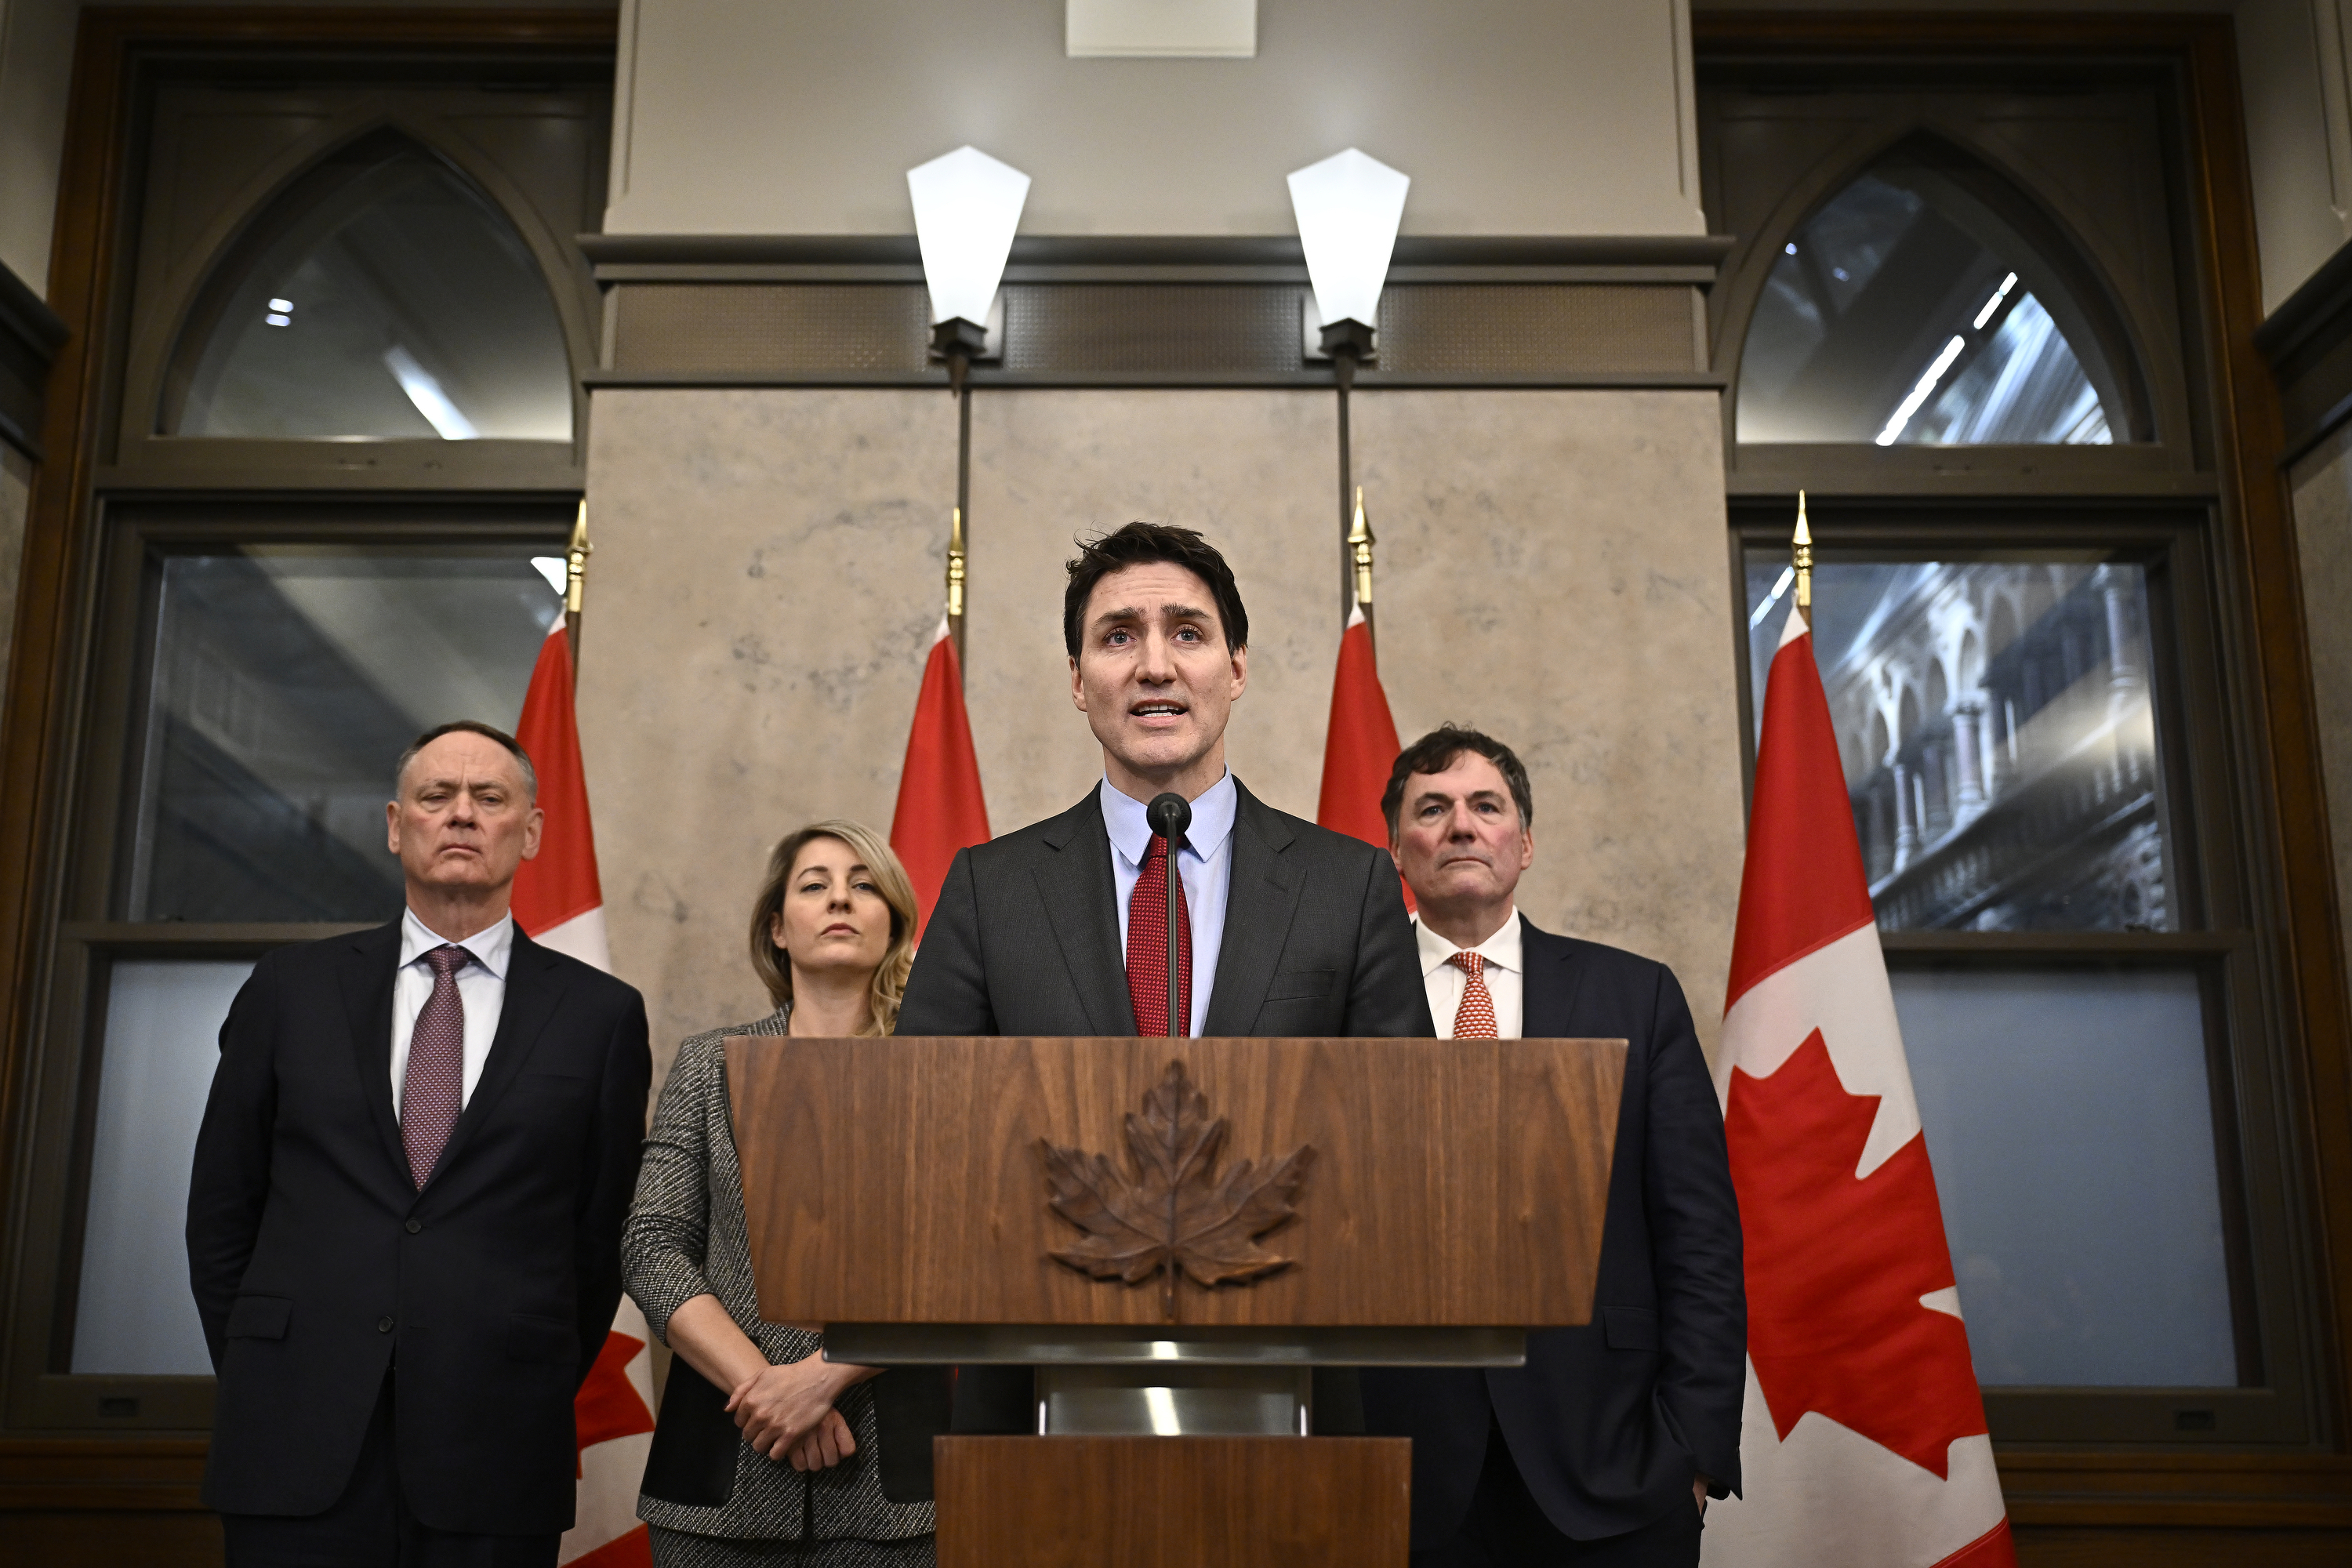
[
  {"x": 431, "y": 1089},
  {"x": 1474, "y": 1018},
  {"x": 1147, "y": 945}
]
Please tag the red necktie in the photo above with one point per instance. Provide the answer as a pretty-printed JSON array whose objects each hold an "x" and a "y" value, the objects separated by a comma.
[
  {"x": 430, "y": 1092},
  {"x": 1147, "y": 945},
  {"x": 1474, "y": 1018}
]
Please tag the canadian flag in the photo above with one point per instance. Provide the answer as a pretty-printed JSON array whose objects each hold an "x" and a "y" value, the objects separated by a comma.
[
  {"x": 1863, "y": 1442},
  {"x": 1360, "y": 745},
  {"x": 557, "y": 902},
  {"x": 940, "y": 808}
]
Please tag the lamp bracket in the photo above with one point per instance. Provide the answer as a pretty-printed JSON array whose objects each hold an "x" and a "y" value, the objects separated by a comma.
[
  {"x": 982, "y": 344},
  {"x": 1346, "y": 335}
]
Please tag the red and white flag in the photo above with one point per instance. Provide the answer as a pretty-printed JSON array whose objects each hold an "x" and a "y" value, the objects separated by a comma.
[
  {"x": 1360, "y": 745},
  {"x": 940, "y": 808},
  {"x": 557, "y": 902},
  {"x": 1863, "y": 1442}
]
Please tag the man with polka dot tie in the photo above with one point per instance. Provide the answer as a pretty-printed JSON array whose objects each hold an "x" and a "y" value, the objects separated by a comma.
[
  {"x": 1604, "y": 1447},
  {"x": 405, "y": 1215}
]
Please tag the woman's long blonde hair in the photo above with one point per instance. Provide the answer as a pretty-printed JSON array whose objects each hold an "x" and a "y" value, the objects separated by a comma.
[{"x": 775, "y": 967}]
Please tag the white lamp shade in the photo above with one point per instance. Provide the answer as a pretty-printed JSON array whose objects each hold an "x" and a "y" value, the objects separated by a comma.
[
  {"x": 1349, "y": 206},
  {"x": 967, "y": 205}
]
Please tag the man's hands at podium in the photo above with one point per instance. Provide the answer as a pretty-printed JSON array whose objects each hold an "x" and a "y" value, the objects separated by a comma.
[{"x": 785, "y": 1413}]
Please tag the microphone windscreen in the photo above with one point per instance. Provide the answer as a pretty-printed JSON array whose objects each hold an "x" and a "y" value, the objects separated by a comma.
[{"x": 1169, "y": 814}]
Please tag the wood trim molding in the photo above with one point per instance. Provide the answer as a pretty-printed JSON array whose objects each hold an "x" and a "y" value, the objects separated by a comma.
[
  {"x": 2308, "y": 342},
  {"x": 30, "y": 335}
]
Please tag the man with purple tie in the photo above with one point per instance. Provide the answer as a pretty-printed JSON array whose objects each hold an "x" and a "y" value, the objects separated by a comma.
[
  {"x": 1285, "y": 928},
  {"x": 405, "y": 1215}
]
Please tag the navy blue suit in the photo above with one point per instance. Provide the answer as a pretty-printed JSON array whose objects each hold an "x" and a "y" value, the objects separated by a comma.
[{"x": 1607, "y": 1424}]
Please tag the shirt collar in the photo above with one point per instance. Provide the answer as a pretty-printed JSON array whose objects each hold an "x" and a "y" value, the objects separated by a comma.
[
  {"x": 490, "y": 946},
  {"x": 1212, "y": 821},
  {"x": 1501, "y": 951}
]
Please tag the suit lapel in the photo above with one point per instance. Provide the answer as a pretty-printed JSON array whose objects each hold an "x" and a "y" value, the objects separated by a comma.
[
  {"x": 369, "y": 961},
  {"x": 1259, "y": 903},
  {"x": 1554, "y": 978},
  {"x": 1082, "y": 901},
  {"x": 532, "y": 990}
]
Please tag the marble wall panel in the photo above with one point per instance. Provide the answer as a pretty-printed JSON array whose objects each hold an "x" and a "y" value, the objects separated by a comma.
[
  {"x": 1553, "y": 570},
  {"x": 1255, "y": 471},
  {"x": 1552, "y": 567},
  {"x": 2322, "y": 526},
  {"x": 767, "y": 574}
]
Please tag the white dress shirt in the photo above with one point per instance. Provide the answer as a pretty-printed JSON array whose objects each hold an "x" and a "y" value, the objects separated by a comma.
[
  {"x": 1205, "y": 865},
  {"x": 1505, "y": 976},
  {"x": 481, "y": 991}
]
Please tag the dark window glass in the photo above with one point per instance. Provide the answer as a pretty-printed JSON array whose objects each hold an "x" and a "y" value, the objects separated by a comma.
[
  {"x": 2069, "y": 1113},
  {"x": 1905, "y": 311},
  {"x": 286, "y": 682},
  {"x": 1998, "y": 736},
  {"x": 383, "y": 297}
]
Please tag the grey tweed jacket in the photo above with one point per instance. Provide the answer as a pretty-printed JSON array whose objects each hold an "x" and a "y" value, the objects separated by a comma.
[{"x": 685, "y": 1238}]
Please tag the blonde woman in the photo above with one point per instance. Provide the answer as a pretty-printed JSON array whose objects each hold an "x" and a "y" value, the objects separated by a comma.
[{"x": 764, "y": 1451}]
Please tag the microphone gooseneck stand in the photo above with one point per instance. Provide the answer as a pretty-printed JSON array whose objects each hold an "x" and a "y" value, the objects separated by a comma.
[{"x": 1169, "y": 815}]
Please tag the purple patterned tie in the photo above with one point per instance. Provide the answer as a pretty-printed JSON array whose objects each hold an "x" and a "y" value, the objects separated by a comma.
[{"x": 437, "y": 1066}]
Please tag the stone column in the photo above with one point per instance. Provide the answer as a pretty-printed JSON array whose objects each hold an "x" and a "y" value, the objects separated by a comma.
[
  {"x": 1968, "y": 750},
  {"x": 1906, "y": 819}
]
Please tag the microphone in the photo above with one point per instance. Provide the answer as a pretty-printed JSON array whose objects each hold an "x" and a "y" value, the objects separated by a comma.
[{"x": 1169, "y": 815}]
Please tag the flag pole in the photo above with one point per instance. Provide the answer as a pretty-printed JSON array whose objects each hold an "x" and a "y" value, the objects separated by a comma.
[
  {"x": 1801, "y": 554},
  {"x": 575, "y": 578},
  {"x": 1359, "y": 545},
  {"x": 955, "y": 582}
]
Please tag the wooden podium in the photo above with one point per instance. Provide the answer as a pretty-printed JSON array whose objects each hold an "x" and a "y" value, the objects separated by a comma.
[{"x": 1174, "y": 1234}]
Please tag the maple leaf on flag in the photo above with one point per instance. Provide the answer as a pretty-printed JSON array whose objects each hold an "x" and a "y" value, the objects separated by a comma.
[
  {"x": 1171, "y": 1215},
  {"x": 1837, "y": 1263}
]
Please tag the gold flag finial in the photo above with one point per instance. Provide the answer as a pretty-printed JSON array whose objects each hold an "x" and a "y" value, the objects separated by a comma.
[
  {"x": 576, "y": 560},
  {"x": 955, "y": 563},
  {"x": 1360, "y": 542},
  {"x": 1801, "y": 549}
]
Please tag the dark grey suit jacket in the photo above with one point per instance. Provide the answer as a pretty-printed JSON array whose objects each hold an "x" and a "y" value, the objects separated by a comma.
[
  {"x": 1607, "y": 1422},
  {"x": 1024, "y": 938}
]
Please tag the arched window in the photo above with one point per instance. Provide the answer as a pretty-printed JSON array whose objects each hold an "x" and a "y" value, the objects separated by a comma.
[
  {"x": 382, "y": 297},
  {"x": 1912, "y": 309}
]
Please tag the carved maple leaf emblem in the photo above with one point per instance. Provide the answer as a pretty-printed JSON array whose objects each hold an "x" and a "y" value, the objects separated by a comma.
[
  {"x": 1172, "y": 1215},
  {"x": 1837, "y": 1265}
]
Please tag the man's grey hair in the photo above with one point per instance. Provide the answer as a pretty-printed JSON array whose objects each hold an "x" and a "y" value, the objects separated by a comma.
[{"x": 471, "y": 727}]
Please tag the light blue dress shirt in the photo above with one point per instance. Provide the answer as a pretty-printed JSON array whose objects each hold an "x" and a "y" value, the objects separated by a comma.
[{"x": 1206, "y": 863}]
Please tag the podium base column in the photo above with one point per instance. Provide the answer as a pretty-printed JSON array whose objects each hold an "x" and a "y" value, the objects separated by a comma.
[{"x": 1173, "y": 1502}]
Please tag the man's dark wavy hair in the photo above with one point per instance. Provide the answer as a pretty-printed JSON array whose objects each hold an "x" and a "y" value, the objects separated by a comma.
[
  {"x": 1138, "y": 544},
  {"x": 1435, "y": 752}
]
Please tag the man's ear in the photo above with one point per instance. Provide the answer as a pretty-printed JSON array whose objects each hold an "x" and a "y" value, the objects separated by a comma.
[
  {"x": 1078, "y": 687},
  {"x": 534, "y": 826},
  {"x": 1240, "y": 672},
  {"x": 1526, "y": 848},
  {"x": 392, "y": 825}
]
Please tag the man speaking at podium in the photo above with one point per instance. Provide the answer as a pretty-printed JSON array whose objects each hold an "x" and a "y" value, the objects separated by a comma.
[
  {"x": 1059, "y": 929},
  {"x": 1603, "y": 1448}
]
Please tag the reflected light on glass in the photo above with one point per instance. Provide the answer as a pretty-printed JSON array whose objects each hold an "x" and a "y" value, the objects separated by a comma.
[
  {"x": 278, "y": 319},
  {"x": 967, "y": 205},
  {"x": 555, "y": 569},
  {"x": 1994, "y": 303},
  {"x": 425, "y": 392},
  {"x": 1787, "y": 575},
  {"x": 1919, "y": 394},
  {"x": 1348, "y": 208},
  {"x": 1160, "y": 1403}
]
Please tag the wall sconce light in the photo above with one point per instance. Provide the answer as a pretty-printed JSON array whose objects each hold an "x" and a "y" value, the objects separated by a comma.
[
  {"x": 1348, "y": 208},
  {"x": 967, "y": 205}
]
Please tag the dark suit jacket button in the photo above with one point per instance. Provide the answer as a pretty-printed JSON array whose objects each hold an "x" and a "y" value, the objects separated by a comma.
[
  {"x": 383, "y": 1325},
  {"x": 415, "y": 1225}
]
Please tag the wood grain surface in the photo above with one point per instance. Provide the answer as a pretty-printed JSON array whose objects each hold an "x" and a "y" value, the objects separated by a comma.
[
  {"x": 900, "y": 1181},
  {"x": 1173, "y": 1502}
]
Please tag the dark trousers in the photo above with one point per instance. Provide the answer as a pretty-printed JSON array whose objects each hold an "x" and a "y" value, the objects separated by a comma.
[
  {"x": 1504, "y": 1529},
  {"x": 370, "y": 1526}
]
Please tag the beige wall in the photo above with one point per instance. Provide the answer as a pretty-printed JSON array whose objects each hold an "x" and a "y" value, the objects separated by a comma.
[
  {"x": 768, "y": 573},
  {"x": 2323, "y": 523},
  {"x": 1513, "y": 116}
]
